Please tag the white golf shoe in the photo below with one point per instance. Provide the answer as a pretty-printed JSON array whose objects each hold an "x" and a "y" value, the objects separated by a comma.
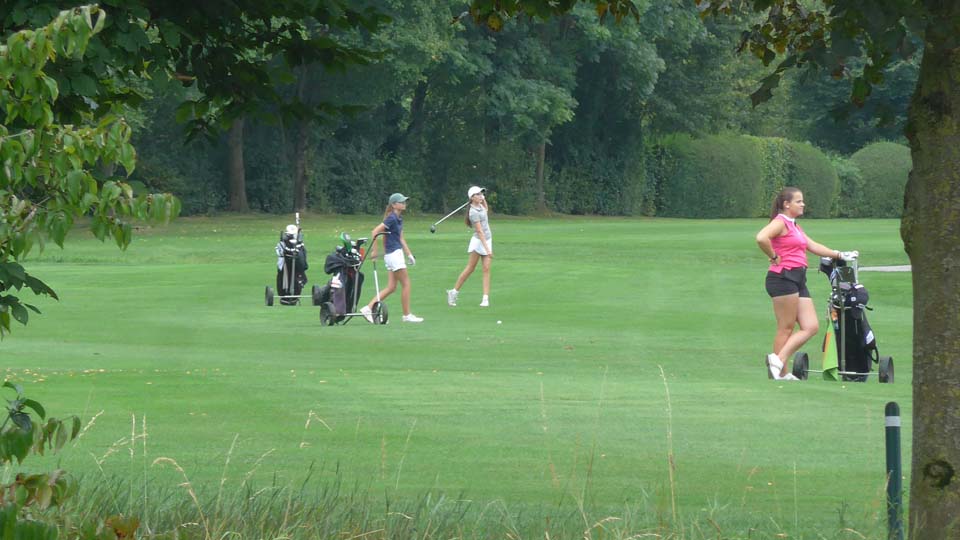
[
  {"x": 412, "y": 318},
  {"x": 774, "y": 365},
  {"x": 485, "y": 302},
  {"x": 367, "y": 314},
  {"x": 452, "y": 297},
  {"x": 789, "y": 377}
]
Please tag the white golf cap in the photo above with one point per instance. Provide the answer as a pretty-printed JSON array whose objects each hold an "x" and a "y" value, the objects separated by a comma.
[
  {"x": 291, "y": 229},
  {"x": 474, "y": 190}
]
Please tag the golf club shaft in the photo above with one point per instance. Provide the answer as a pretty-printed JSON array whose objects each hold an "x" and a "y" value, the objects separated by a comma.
[{"x": 451, "y": 213}]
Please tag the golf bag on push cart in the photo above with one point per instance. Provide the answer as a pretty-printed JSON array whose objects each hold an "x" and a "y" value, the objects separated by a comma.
[
  {"x": 338, "y": 298},
  {"x": 849, "y": 347},
  {"x": 291, "y": 268}
]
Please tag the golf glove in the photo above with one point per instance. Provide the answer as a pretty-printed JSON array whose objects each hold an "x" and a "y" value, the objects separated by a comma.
[
  {"x": 411, "y": 260},
  {"x": 849, "y": 255}
]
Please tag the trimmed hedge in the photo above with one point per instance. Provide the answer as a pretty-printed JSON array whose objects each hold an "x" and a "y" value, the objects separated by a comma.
[
  {"x": 738, "y": 176},
  {"x": 885, "y": 167},
  {"x": 720, "y": 176}
]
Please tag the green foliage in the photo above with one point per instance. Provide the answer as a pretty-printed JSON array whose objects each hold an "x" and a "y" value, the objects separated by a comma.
[
  {"x": 451, "y": 105},
  {"x": 736, "y": 176},
  {"x": 851, "y": 39},
  {"x": 824, "y": 119},
  {"x": 810, "y": 170},
  {"x": 599, "y": 186},
  {"x": 717, "y": 176},
  {"x": 167, "y": 163},
  {"x": 20, "y": 435},
  {"x": 29, "y": 504},
  {"x": 47, "y": 179},
  {"x": 885, "y": 167},
  {"x": 237, "y": 53}
]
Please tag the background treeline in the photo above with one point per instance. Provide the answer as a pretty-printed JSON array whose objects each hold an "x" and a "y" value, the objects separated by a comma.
[{"x": 572, "y": 115}]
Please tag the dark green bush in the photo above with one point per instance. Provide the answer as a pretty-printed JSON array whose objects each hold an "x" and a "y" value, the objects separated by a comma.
[
  {"x": 717, "y": 176},
  {"x": 598, "y": 185},
  {"x": 885, "y": 167}
]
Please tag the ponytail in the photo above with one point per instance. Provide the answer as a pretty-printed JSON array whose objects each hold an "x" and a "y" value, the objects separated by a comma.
[
  {"x": 786, "y": 195},
  {"x": 387, "y": 210},
  {"x": 466, "y": 218}
]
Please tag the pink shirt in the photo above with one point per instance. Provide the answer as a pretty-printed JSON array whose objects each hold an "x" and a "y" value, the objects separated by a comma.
[{"x": 792, "y": 247}]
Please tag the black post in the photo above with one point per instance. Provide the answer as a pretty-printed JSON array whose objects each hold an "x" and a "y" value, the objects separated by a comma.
[{"x": 894, "y": 474}]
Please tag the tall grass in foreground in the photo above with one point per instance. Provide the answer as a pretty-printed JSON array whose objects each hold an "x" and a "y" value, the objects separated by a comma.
[
  {"x": 330, "y": 509},
  {"x": 321, "y": 506}
]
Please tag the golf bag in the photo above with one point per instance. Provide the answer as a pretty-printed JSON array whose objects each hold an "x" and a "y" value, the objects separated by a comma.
[
  {"x": 291, "y": 266},
  {"x": 855, "y": 340},
  {"x": 344, "y": 288}
]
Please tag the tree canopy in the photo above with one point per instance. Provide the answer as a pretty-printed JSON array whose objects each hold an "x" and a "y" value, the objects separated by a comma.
[{"x": 47, "y": 180}]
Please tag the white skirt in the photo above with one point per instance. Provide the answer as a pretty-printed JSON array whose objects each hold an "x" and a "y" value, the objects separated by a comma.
[
  {"x": 394, "y": 260},
  {"x": 477, "y": 245}
]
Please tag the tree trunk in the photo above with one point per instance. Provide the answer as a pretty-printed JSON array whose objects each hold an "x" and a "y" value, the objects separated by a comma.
[
  {"x": 541, "y": 153},
  {"x": 300, "y": 148},
  {"x": 237, "y": 181},
  {"x": 931, "y": 234},
  {"x": 300, "y": 166}
]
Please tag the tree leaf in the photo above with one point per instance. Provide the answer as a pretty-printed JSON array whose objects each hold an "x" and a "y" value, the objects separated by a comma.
[
  {"x": 20, "y": 313},
  {"x": 22, "y": 420},
  {"x": 38, "y": 408}
]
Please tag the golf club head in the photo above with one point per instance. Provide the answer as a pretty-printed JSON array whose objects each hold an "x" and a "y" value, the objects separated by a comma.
[{"x": 433, "y": 228}]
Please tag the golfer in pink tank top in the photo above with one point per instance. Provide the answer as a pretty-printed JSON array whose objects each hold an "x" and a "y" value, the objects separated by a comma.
[
  {"x": 786, "y": 245},
  {"x": 791, "y": 247}
]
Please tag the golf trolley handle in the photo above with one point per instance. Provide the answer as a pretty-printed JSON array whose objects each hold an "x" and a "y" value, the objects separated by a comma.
[{"x": 372, "y": 242}]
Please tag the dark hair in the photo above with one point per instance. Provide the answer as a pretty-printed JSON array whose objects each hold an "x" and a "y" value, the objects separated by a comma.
[{"x": 786, "y": 195}]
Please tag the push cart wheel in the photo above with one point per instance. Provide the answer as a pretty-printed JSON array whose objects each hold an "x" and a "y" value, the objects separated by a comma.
[
  {"x": 326, "y": 314},
  {"x": 380, "y": 315},
  {"x": 885, "y": 369},
  {"x": 801, "y": 366},
  {"x": 268, "y": 296},
  {"x": 315, "y": 294}
]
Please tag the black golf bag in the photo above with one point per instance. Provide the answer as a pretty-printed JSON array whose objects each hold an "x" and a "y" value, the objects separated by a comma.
[
  {"x": 292, "y": 266},
  {"x": 345, "y": 286},
  {"x": 855, "y": 341}
]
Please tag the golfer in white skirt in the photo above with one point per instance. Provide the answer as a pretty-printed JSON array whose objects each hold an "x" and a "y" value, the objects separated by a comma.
[{"x": 480, "y": 248}]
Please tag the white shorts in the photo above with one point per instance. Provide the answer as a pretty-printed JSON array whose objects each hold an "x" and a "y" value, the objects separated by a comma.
[
  {"x": 394, "y": 260},
  {"x": 477, "y": 245}
]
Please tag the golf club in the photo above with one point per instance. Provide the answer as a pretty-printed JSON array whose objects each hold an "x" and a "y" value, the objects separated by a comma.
[{"x": 433, "y": 228}]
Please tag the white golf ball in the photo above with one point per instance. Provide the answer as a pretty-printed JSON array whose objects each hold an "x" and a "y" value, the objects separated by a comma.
[{"x": 499, "y": 322}]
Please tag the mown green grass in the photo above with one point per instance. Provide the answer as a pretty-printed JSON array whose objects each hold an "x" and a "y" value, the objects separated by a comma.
[{"x": 563, "y": 404}]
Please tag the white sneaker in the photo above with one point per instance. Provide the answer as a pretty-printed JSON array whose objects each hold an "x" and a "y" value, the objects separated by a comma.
[
  {"x": 789, "y": 377},
  {"x": 774, "y": 365},
  {"x": 412, "y": 318},
  {"x": 452, "y": 297},
  {"x": 367, "y": 314},
  {"x": 485, "y": 302}
]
